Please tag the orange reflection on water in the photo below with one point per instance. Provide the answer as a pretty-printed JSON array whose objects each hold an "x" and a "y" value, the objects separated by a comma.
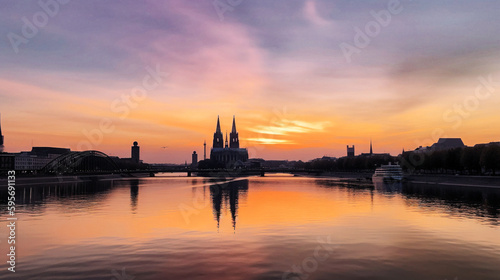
[{"x": 135, "y": 211}]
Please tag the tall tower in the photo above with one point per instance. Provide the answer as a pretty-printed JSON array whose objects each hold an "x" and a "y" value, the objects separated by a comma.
[
  {"x": 218, "y": 141},
  {"x": 234, "y": 142},
  {"x": 194, "y": 159},
  {"x": 135, "y": 152},
  {"x": 371, "y": 148},
  {"x": 205, "y": 150},
  {"x": 1, "y": 137},
  {"x": 350, "y": 151}
]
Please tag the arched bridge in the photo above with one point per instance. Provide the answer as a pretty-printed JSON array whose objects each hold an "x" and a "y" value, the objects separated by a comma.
[{"x": 81, "y": 162}]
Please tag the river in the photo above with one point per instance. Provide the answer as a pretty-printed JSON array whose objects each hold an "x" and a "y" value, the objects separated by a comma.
[{"x": 275, "y": 227}]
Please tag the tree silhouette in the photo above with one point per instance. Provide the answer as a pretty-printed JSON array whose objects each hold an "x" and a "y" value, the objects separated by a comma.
[{"x": 490, "y": 158}]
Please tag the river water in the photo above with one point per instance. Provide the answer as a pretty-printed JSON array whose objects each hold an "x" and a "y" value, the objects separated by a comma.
[{"x": 275, "y": 227}]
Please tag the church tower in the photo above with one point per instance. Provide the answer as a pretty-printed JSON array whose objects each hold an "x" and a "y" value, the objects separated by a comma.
[
  {"x": 218, "y": 141},
  {"x": 234, "y": 142},
  {"x": 1, "y": 138}
]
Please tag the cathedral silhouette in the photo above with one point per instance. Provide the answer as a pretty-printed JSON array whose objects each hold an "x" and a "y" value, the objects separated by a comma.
[{"x": 228, "y": 152}]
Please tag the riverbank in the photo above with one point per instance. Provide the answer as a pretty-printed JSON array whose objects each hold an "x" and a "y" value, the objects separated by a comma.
[
  {"x": 457, "y": 180},
  {"x": 444, "y": 180},
  {"x": 347, "y": 175},
  {"x": 43, "y": 180}
]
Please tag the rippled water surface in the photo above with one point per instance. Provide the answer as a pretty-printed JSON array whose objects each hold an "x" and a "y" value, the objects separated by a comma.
[{"x": 253, "y": 228}]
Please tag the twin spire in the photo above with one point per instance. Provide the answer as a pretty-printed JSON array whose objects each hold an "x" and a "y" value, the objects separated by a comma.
[
  {"x": 231, "y": 142},
  {"x": 233, "y": 130}
]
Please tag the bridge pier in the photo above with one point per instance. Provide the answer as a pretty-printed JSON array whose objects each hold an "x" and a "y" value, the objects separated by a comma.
[
  {"x": 189, "y": 173},
  {"x": 262, "y": 173}
]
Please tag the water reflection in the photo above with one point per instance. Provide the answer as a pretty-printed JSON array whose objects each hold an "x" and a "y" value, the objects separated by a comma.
[
  {"x": 74, "y": 196},
  {"x": 388, "y": 186},
  {"x": 412, "y": 233},
  {"x": 458, "y": 201},
  {"x": 134, "y": 193},
  {"x": 227, "y": 194},
  {"x": 34, "y": 198}
]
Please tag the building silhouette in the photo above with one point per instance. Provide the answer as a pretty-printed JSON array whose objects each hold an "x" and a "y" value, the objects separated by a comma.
[
  {"x": 135, "y": 154},
  {"x": 447, "y": 144},
  {"x": 444, "y": 144},
  {"x": 371, "y": 153},
  {"x": 37, "y": 158},
  {"x": 350, "y": 151},
  {"x": 7, "y": 163},
  {"x": 194, "y": 159},
  {"x": 230, "y": 154},
  {"x": 1, "y": 136},
  {"x": 133, "y": 162}
]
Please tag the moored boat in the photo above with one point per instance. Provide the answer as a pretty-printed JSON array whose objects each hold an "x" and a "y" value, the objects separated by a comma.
[{"x": 388, "y": 173}]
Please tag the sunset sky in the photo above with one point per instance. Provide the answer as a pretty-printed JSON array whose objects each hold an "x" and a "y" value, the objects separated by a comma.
[{"x": 431, "y": 69}]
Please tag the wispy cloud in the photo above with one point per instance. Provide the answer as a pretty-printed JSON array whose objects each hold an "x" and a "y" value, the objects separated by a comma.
[
  {"x": 269, "y": 141},
  {"x": 265, "y": 53},
  {"x": 286, "y": 127}
]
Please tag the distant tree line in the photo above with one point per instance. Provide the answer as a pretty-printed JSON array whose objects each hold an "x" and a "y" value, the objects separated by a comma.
[
  {"x": 357, "y": 163},
  {"x": 480, "y": 159}
]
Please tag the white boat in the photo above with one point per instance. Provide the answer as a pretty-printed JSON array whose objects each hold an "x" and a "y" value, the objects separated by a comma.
[{"x": 388, "y": 173}]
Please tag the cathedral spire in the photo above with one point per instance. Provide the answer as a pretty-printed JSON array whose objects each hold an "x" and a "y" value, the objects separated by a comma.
[
  {"x": 218, "y": 139},
  {"x": 371, "y": 148},
  {"x": 217, "y": 130},
  {"x": 234, "y": 140},
  {"x": 234, "y": 126}
]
